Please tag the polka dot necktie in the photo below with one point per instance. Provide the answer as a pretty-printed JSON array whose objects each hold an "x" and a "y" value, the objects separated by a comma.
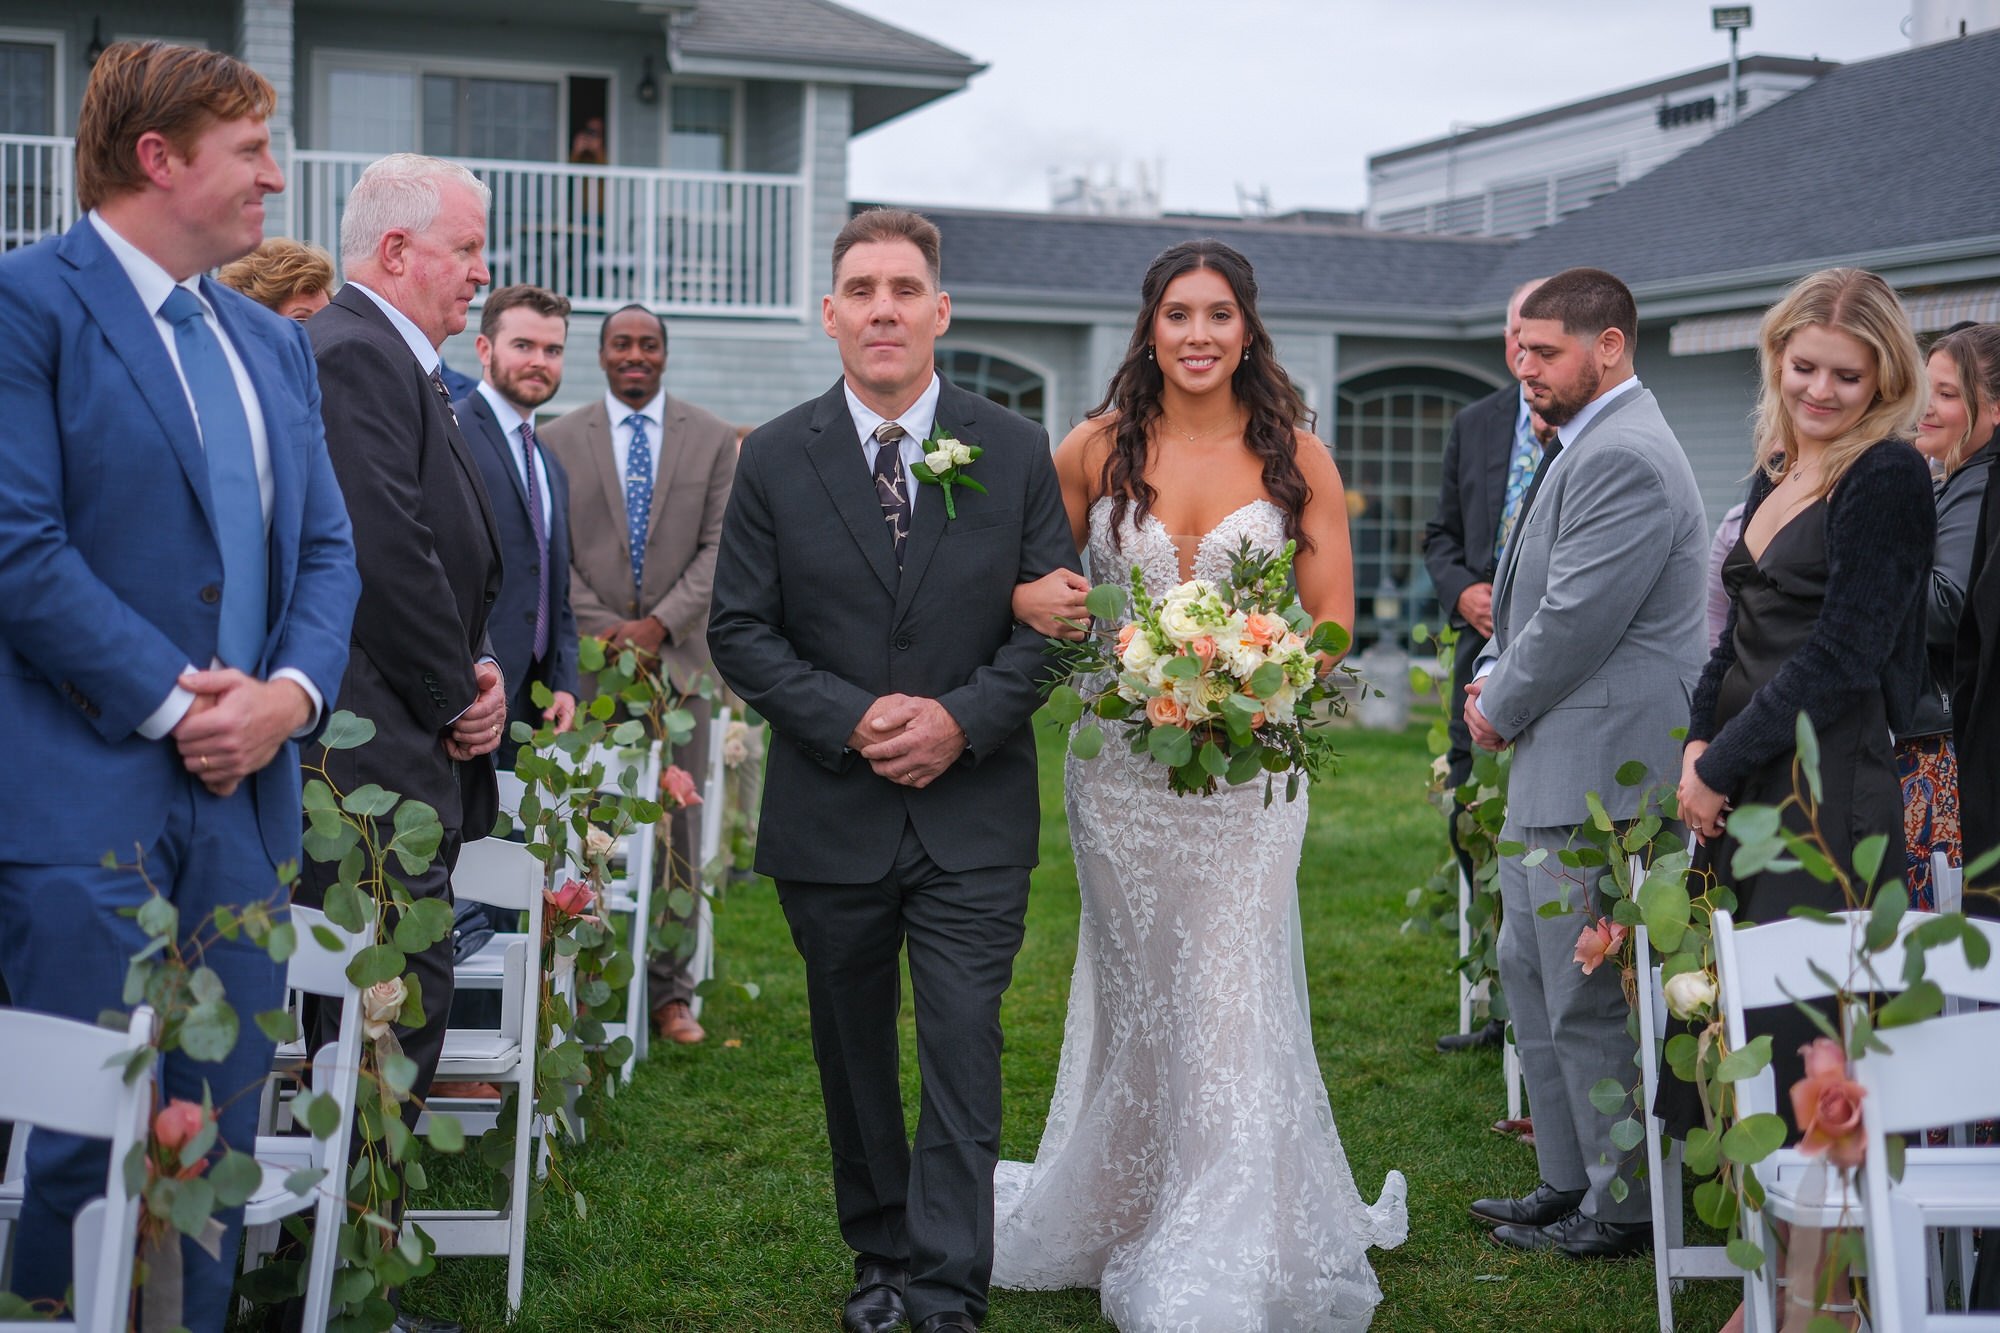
[
  {"x": 638, "y": 497},
  {"x": 890, "y": 487}
]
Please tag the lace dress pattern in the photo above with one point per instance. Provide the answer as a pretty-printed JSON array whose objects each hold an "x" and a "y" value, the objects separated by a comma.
[{"x": 1190, "y": 1169}]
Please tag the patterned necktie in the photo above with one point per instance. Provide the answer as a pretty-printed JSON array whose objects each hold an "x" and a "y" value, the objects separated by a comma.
[
  {"x": 1549, "y": 452},
  {"x": 638, "y": 497},
  {"x": 232, "y": 482},
  {"x": 1520, "y": 471},
  {"x": 889, "y": 485},
  {"x": 437, "y": 382},
  {"x": 541, "y": 527}
]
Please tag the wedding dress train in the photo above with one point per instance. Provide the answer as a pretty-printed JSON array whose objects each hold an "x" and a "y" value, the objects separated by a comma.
[{"x": 1190, "y": 1169}]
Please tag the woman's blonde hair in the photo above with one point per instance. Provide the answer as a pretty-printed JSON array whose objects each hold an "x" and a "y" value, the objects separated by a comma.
[
  {"x": 1859, "y": 304},
  {"x": 280, "y": 270}
]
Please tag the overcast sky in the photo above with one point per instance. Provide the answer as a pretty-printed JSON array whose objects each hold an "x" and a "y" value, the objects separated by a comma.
[{"x": 1289, "y": 95}]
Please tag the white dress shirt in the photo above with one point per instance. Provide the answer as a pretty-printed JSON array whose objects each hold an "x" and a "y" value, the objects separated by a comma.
[
  {"x": 154, "y": 285},
  {"x": 916, "y": 422},
  {"x": 420, "y": 346},
  {"x": 511, "y": 422},
  {"x": 655, "y": 413}
]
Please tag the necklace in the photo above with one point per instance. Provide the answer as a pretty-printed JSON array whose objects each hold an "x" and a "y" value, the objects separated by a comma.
[{"x": 1192, "y": 438}]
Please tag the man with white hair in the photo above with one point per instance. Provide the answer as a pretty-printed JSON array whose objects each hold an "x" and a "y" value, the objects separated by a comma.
[{"x": 420, "y": 666}]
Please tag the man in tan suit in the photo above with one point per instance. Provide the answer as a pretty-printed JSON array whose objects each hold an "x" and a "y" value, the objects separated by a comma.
[{"x": 649, "y": 478}]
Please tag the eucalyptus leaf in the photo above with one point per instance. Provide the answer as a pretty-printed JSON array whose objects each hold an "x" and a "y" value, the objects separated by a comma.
[
  {"x": 345, "y": 731},
  {"x": 1106, "y": 601},
  {"x": 1087, "y": 742}
]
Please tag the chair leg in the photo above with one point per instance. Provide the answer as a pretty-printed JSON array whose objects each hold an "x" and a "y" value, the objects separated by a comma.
[{"x": 517, "y": 1211}]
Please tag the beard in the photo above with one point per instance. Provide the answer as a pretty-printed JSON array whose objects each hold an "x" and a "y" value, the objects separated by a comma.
[
  {"x": 1562, "y": 407},
  {"x": 526, "y": 392}
]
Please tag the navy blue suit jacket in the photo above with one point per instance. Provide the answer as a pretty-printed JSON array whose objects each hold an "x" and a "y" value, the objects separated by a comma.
[
  {"x": 109, "y": 568},
  {"x": 511, "y": 626}
]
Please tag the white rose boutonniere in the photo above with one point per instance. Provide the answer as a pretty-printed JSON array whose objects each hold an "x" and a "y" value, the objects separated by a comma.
[{"x": 944, "y": 465}]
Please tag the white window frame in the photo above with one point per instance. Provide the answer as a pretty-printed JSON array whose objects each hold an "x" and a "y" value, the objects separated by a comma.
[
  {"x": 1051, "y": 382},
  {"x": 59, "y": 114},
  {"x": 326, "y": 59},
  {"x": 738, "y": 122}
]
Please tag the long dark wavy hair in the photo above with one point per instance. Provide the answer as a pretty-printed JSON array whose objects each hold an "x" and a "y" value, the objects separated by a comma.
[{"x": 1260, "y": 384}]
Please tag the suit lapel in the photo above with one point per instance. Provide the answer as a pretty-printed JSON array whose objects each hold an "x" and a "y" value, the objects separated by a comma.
[
  {"x": 129, "y": 329},
  {"x": 1499, "y": 456},
  {"x": 668, "y": 454},
  {"x": 486, "y": 428},
  {"x": 954, "y": 413},
  {"x": 835, "y": 453},
  {"x": 604, "y": 462}
]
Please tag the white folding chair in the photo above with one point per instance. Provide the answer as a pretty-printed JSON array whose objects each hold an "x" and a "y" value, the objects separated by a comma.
[
  {"x": 714, "y": 800},
  {"x": 1465, "y": 986},
  {"x": 505, "y": 875},
  {"x": 1771, "y": 965},
  {"x": 631, "y": 894},
  {"x": 1924, "y": 1077},
  {"x": 314, "y": 969},
  {"x": 1674, "y": 1260},
  {"x": 79, "y": 1088}
]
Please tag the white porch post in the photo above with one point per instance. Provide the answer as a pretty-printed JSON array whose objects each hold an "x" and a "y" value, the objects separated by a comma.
[{"x": 264, "y": 41}]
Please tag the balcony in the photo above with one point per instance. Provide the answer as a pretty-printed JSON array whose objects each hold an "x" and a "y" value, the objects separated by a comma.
[{"x": 731, "y": 244}]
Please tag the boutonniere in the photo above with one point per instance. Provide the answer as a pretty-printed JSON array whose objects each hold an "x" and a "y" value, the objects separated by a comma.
[{"x": 944, "y": 465}]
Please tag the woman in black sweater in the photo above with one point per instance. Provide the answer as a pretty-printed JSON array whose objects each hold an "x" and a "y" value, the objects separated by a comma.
[{"x": 1956, "y": 436}]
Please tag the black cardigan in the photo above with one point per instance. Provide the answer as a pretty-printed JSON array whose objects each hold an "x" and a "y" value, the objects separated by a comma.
[
  {"x": 1880, "y": 527},
  {"x": 1959, "y": 498}
]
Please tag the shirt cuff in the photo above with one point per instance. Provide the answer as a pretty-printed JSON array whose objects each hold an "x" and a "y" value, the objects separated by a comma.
[
  {"x": 468, "y": 708},
  {"x": 169, "y": 714},
  {"x": 313, "y": 695},
  {"x": 1481, "y": 670}
]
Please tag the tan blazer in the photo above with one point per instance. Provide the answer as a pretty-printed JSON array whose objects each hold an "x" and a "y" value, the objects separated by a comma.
[{"x": 693, "y": 466}]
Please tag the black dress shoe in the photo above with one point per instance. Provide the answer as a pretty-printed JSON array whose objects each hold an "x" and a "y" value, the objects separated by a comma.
[
  {"x": 948, "y": 1321},
  {"x": 876, "y": 1303},
  {"x": 1539, "y": 1208},
  {"x": 1580, "y": 1237},
  {"x": 1490, "y": 1035}
]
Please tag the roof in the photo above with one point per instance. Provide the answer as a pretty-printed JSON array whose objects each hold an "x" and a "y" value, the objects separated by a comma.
[
  {"x": 1642, "y": 92},
  {"x": 811, "y": 32},
  {"x": 1878, "y": 157},
  {"x": 1306, "y": 268}
]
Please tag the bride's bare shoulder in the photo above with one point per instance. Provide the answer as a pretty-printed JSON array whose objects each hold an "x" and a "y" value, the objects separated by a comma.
[{"x": 1080, "y": 457}]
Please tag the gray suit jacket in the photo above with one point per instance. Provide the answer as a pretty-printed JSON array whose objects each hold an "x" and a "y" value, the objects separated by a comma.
[
  {"x": 1597, "y": 619},
  {"x": 693, "y": 465}
]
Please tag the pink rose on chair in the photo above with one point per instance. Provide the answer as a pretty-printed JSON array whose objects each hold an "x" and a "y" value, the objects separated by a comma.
[
  {"x": 178, "y": 1123},
  {"x": 680, "y": 787},
  {"x": 574, "y": 898},
  {"x": 1600, "y": 940},
  {"x": 1827, "y": 1105}
]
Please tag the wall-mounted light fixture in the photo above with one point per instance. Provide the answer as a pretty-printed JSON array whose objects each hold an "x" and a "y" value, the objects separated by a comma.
[
  {"x": 648, "y": 90},
  {"x": 97, "y": 45}
]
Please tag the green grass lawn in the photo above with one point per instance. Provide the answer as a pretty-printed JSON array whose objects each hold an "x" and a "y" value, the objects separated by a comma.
[{"x": 710, "y": 1206}]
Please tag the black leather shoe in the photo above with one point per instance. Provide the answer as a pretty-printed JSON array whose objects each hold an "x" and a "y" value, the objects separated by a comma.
[
  {"x": 948, "y": 1321},
  {"x": 1490, "y": 1035},
  {"x": 876, "y": 1303},
  {"x": 1537, "y": 1209},
  {"x": 1592, "y": 1239}
]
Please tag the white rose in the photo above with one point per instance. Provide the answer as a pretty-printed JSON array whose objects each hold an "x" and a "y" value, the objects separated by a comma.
[
  {"x": 1241, "y": 656},
  {"x": 961, "y": 454},
  {"x": 1689, "y": 993},
  {"x": 937, "y": 460},
  {"x": 598, "y": 842},
  {"x": 1139, "y": 654},
  {"x": 380, "y": 1004}
]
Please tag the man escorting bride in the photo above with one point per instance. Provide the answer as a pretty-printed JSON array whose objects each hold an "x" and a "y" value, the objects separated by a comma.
[{"x": 1190, "y": 1169}]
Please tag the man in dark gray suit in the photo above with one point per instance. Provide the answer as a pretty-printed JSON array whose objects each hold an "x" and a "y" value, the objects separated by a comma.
[
  {"x": 1597, "y": 640},
  {"x": 1489, "y": 458},
  {"x": 877, "y": 636}
]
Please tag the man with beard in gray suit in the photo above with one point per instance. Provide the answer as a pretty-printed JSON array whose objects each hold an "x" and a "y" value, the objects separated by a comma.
[{"x": 1597, "y": 641}]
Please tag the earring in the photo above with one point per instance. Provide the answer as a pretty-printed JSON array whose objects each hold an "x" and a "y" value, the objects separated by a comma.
[{"x": 1149, "y": 351}]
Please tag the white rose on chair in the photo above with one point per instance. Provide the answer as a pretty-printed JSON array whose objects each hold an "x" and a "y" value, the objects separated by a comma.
[
  {"x": 1689, "y": 994},
  {"x": 381, "y": 1003}
]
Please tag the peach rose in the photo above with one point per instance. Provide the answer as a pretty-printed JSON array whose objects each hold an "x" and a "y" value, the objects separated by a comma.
[
  {"x": 178, "y": 1123},
  {"x": 1256, "y": 720},
  {"x": 679, "y": 786},
  {"x": 1263, "y": 630},
  {"x": 380, "y": 1004},
  {"x": 1125, "y": 634},
  {"x": 1163, "y": 710},
  {"x": 1599, "y": 941},
  {"x": 1203, "y": 647},
  {"x": 1827, "y": 1105},
  {"x": 574, "y": 898}
]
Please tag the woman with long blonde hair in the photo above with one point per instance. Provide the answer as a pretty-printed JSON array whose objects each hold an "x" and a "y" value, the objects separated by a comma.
[{"x": 1826, "y": 591}]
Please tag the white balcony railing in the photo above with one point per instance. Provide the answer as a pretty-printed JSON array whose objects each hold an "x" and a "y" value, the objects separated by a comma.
[{"x": 681, "y": 242}]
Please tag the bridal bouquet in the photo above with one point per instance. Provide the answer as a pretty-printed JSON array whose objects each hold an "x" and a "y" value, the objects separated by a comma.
[{"x": 1218, "y": 682}]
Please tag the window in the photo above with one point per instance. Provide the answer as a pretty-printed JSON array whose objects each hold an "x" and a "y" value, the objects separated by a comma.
[
  {"x": 27, "y": 87},
  {"x": 371, "y": 111},
  {"x": 512, "y": 119},
  {"x": 1004, "y": 382},
  {"x": 701, "y": 132},
  {"x": 1389, "y": 442}
]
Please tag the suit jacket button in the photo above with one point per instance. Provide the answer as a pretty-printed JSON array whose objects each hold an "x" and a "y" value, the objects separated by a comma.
[
  {"x": 489, "y": 599},
  {"x": 902, "y": 641},
  {"x": 211, "y": 594}
]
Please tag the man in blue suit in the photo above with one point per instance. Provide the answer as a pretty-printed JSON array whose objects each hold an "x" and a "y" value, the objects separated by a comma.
[
  {"x": 522, "y": 330},
  {"x": 176, "y": 584}
]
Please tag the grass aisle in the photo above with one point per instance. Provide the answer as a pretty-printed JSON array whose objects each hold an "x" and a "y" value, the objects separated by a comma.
[{"x": 709, "y": 1202}]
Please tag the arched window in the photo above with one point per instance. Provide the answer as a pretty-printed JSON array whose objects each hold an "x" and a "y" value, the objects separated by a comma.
[
  {"x": 1389, "y": 439},
  {"x": 1005, "y": 382}
]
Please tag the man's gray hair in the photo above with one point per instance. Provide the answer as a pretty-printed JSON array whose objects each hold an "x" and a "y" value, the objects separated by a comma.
[{"x": 402, "y": 191}]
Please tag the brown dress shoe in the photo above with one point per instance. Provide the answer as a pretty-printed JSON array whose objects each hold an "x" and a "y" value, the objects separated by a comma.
[
  {"x": 477, "y": 1092},
  {"x": 674, "y": 1021}
]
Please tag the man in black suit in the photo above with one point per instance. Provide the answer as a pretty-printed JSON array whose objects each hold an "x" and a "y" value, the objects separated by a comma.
[
  {"x": 877, "y": 636},
  {"x": 521, "y": 334},
  {"x": 421, "y": 667},
  {"x": 1489, "y": 459}
]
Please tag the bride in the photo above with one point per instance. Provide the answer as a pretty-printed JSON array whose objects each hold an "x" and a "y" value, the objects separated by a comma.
[{"x": 1190, "y": 1169}]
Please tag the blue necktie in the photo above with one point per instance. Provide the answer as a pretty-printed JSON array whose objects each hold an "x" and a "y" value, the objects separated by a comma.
[
  {"x": 638, "y": 498},
  {"x": 232, "y": 482},
  {"x": 541, "y": 528}
]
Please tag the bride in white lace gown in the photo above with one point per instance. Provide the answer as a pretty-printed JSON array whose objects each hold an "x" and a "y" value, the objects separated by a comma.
[{"x": 1190, "y": 1169}]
